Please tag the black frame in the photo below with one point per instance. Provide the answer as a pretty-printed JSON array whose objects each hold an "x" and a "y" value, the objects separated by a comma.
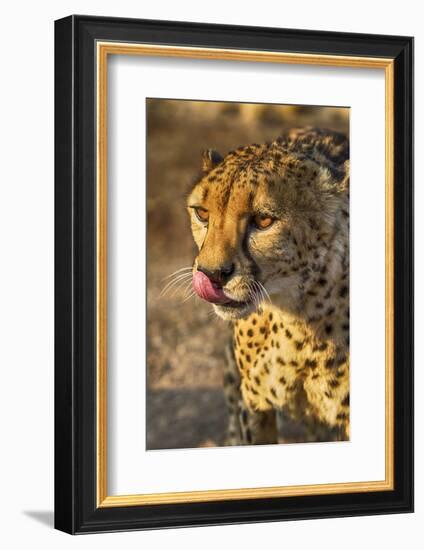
[{"x": 75, "y": 274}]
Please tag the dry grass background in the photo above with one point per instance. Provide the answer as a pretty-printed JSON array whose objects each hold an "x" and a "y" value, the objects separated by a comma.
[{"x": 185, "y": 343}]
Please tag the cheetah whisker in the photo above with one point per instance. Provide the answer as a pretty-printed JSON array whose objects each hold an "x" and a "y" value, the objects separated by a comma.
[
  {"x": 188, "y": 297},
  {"x": 170, "y": 284},
  {"x": 177, "y": 280},
  {"x": 181, "y": 286},
  {"x": 187, "y": 288},
  {"x": 253, "y": 295},
  {"x": 259, "y": 292},
  {"x": 268, "y": 297},
  {"x": 189, "y": 268}
]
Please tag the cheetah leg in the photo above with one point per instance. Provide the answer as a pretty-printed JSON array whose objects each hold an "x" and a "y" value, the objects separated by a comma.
[
  {"x": 257, "y": 427},
  {"x": 245, "y": 427},
  {"x": 232, "y": 396}
]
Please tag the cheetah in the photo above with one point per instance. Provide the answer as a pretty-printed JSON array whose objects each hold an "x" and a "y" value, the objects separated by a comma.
[{"x": 271, "y": 224}]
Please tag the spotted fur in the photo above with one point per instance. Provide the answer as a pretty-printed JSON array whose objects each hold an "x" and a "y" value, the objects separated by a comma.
[{"x": 289, "y": 283}]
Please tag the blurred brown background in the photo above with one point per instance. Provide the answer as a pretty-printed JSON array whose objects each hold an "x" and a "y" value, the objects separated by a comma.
[{"x": 185, "y": 343}]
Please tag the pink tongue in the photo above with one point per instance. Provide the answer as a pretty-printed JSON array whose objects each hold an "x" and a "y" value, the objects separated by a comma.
[{"x": 204, "y": 288}]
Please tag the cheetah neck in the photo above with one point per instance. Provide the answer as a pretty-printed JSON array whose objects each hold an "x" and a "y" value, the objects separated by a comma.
[{"x": 321, "y": 307}]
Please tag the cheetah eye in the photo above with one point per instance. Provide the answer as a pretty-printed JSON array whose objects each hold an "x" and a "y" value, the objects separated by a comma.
[
  {"x": 202, "y": 214},
  {"x": 262, "y": 221}
]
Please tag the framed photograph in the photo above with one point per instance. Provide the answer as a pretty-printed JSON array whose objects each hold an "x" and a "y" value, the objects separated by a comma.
[{"x": 234, "y": 274}]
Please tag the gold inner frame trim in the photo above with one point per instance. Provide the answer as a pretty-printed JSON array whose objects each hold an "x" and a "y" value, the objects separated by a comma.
[{"x": 104, "y": 49}]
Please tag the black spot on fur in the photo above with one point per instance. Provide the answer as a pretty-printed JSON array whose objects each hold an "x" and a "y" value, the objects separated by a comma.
[
  {"x": 343, "y": 291},
  {"x": 320, "y": 347},
  {"x": 329, "y": 363},
  {"x": 288, "y": 333},
  {"x": 250, "y": 333},
  {"x": 328, "y": 293},
  {"x": 229, "y": 378}
]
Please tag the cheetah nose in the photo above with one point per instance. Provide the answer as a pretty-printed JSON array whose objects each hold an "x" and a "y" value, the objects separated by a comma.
[
  {"x": 218, "y": 276},
  {"x": 207, "y": 290}
]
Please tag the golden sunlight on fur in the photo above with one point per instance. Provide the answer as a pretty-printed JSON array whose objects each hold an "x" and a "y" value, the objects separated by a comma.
[{"x": 271, "y": 223}]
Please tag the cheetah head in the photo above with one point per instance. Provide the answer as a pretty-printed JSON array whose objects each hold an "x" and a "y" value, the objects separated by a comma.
[{"x": 264, "y": 218}]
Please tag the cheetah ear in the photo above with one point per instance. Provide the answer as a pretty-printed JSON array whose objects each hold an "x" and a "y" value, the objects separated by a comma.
[
  {"x": 345, "y": 182},
  {"x": 210, "y": 159},
  {"x": 342, "y": 180}
]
